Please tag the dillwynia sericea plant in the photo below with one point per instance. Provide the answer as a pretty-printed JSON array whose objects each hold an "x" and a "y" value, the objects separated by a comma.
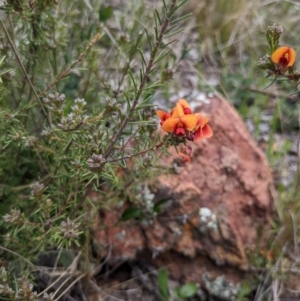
[{"x": 79, "y": 128}]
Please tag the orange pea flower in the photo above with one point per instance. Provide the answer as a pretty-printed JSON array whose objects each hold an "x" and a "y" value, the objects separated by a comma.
[
  {"x": 202, "y": 130},
  {"x": 179, "y": 122},
  {"x": 163, "y": 116},
  {"x": 284, "y": 57}
]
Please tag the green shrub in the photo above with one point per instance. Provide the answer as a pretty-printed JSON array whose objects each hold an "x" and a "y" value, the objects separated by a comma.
[{"x": 76, "y": 108}]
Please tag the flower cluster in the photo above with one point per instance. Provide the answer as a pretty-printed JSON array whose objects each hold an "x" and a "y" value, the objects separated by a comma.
[
  {"x": 55, "y": 102},
  {"x": 183, "y": 124},
  {"x": 22, "y": 290},
  {"x": 37, "y": 188},
  {"x": 280, "y": 60},
  {"x": 13, "y": 216},
  {"x": 69, "y": 229}
]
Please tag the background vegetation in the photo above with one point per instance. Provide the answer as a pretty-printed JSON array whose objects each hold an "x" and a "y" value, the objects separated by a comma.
[{"x": 79, "y": 81}]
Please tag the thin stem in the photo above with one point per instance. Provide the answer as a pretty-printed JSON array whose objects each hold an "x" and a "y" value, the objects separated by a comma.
[
  {"x": 17, "y": 255},
  {"x": 144, "y": 79},
  {"x": 67, "y": 71},
  {"x": 152, "y": 148},
  {"x": 24, "y": 70}
]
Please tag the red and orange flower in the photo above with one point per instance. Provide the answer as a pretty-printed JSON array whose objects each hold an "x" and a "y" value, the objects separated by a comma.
[
  {"x": 284, "y": 57},
  {"x": 202, "y": 130},
  {"x": 181, "y": 122}
]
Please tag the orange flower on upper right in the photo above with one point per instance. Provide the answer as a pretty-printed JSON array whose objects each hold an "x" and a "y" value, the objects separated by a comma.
[{"x": 284, "y": 57}]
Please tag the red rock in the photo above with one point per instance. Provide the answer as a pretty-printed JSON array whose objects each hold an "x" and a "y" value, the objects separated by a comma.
[{"x": 217, "y": 203}]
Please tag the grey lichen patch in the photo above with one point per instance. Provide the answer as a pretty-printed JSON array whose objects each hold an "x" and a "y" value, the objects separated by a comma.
[
  {"x": 121, "y": 235},
  {"x": 143, "y": 198},
  {"x": 220, "y": 287},
  {"x": 207, "y": 220}
]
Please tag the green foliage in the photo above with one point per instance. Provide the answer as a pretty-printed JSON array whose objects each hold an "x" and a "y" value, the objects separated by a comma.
[
  {"x": 188, "y": 290},
  {"x": 244, "y": 292},
  {"x": 77, "y": 84},
  {"x": 130, "y": 213},
  {"x": 183, "y": 292},
  {"x": 77, "y": 119},
  {"x": 162, "y": 280},
  {"x": 105, "y": 13}
]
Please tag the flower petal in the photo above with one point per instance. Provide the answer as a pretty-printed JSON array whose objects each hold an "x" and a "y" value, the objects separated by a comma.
[
  {"x": 189, "y": 121},
  {"x": 170, "y": 124},
  {"x": 201, "y": 120},
  {"x": 207, "y": 132},
  {"x": 186, "y": 107},
  {"x": 198, "y": 134},
  {"x": 161, "y": 114},
  {"x": 284, "y": 52},
  {"x": 292, "y": 57},
  {"x": 174, "y": 112},
  {"x": 179, "y": 110},
  {"x": 278, "y": 54},
  {"x": 203, "y": 132},
  {"x": 184, "y": 103}
]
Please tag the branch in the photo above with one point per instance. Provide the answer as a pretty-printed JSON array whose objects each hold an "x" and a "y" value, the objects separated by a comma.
[
  {"x": 152, "y": 148},
  {"x": 23, "y": 69},
  {"x": 67, "y": 71},
  {"x": 144, "y": 78}
]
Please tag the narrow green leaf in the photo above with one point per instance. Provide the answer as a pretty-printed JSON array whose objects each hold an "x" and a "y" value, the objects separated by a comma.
[
  {"x": 131, "y": 213},
  {"x": 142, "y": 55},
  {"x": 139, "y": 161},
  {"x": 105, "y": 13},
  {"x": 132, "y": 78},
  {"x": 181, "y": 18},
  {"x": 162, "y": 280},
  {"x": 164, "y": 3},
  {"x": 141, "y": 74},
  {"x": 176, "y": 291},
  {"x": 123, "y": 163},
  {"x": 144, "y": 103},
  {"x": 188, "y": 290},
  {"x": 156, "y": 32},
  {"x": 156, "y": 27},
  {"x": 177, "y": 7},
  {"x": 127, "y": 100},
  {"x": 162, "y": 55},
  {"x": 180, "y": 4},
  {"x": 157, "y": 16},
  {"x": 152, "y": 69},
  {"x": 170, "y": 29},
  {"x": 149, "y": 39},
  {"x": 159, "y": 206},
  {"x": 173, "y": 33},
  {"x": 165, "y": 45},
  {"x": 154, "y": 85}
]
